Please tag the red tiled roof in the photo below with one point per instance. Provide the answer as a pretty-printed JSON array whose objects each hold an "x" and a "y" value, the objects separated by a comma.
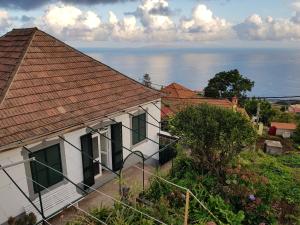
[
  {"x": 284, "y": 126},
  {"x": 177, "y": 97},
  {"x": 175, "y": 90},
  {"x": 46, "y": 87},
  {"x": 166, "y": 112}
]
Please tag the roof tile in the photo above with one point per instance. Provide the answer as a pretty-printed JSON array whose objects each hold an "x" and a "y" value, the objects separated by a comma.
[{"x": 56, "y": 87}]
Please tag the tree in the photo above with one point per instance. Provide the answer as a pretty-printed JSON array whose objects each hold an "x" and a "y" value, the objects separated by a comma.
[
  {"x": 215, "y": 135},
  {"x": 266, "y": 110},
  {"x": 228, "y": 84},
  {"x": 296, "y": 135},
  {"x": 283, "y": 117}
]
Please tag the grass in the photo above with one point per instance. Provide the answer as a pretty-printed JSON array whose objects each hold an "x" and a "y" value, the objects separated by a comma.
[{"x": 273, "y": 182}]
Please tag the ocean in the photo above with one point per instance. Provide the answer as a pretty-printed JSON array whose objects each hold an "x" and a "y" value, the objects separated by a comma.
[{"x": 276, "y": 72}]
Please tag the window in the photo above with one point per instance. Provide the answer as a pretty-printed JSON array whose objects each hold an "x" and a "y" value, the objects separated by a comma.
[
  {"x": 139, "y": 128},
  {"x": 42, "y": 174}
]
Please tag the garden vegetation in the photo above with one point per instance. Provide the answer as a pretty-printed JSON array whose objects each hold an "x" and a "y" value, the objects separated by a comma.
[{"x": 247, "y": 187}]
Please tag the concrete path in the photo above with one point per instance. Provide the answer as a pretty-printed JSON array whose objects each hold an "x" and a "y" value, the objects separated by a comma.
[{"x": 132, "y": 178}]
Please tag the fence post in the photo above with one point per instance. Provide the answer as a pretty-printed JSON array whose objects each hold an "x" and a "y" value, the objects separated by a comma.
[{"x": 187, "y": 203}]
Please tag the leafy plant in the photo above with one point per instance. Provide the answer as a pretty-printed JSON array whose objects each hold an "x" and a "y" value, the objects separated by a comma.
[
  {"x": 215, "y": 135},
  {"x": 228, "y": 84}
]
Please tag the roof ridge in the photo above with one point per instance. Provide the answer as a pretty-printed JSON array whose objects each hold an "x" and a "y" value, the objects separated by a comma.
[
  {"x": 17, "y": 66},
  {"x": 176, "y": 90},
  {"x": 82, "y": 53}
]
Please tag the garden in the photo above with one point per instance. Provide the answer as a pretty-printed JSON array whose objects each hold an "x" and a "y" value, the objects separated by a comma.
[{"x": 233, "y": 183}]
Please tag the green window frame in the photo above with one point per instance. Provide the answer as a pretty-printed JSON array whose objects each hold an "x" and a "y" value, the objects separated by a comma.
[
  {"x": 42, "y": 174},
  {"x": 138, "y": 128}
]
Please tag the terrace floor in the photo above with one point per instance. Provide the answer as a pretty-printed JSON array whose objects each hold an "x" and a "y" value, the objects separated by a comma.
[{"x": 132, "y": 178}]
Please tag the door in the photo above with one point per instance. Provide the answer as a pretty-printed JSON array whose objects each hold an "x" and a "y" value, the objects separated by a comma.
[
  {"x": 117, "y": 146},
  {"x": 87, "y": 160},
  {"x": 105, "y": 148},
  {"x": 96, "y": 155}
]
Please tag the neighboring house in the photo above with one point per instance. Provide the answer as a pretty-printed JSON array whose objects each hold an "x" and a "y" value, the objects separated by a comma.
[
  {"x": 285, "y": 130},
  {"x": 273, "y": 147},
  {"x": 294, "y": 109},
  {"x": 176, "y": 97},
  {"x": 50, "y": 90}
]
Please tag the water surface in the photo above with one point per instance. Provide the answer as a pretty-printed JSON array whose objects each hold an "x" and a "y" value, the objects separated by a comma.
[{"x": 276, "y": 72}]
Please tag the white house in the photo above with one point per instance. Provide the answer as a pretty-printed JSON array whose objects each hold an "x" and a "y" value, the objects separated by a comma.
[
  {"x": 51, "y": 95},
  {"x": 286, "y": 130}
]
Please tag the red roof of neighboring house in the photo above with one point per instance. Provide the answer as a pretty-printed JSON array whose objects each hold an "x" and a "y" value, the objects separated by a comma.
[
  {"x": 177, "y": 97},
  {"x": 175, "y": 90},
  {"x": 166, "y": 111},
  {"x": 284, "y": 126},
  {"x": 46, "y": 87}
]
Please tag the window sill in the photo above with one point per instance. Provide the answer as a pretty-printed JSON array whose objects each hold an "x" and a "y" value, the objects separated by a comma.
[{"x": 139, "y": 143}]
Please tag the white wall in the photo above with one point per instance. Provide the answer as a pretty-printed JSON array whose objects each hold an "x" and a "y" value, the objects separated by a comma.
[
  {"x": 12, "y": 203},
  {"x": 11, "y": 200},
  {"x": 280, "y": 132},
  {"x": 147, "y": 147}
]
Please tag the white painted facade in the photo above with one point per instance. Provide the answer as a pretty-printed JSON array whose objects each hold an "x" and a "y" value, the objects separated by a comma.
[
  {"x": 284, "y": 132},
  {"x": 12, "y": 203}
]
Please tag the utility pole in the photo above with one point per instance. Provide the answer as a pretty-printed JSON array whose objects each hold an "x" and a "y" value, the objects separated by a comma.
[{"x": 258, "y": 113}]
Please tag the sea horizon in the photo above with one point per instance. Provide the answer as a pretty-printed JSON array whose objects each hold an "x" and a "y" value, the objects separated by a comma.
[{"x": 275, "y": 71}]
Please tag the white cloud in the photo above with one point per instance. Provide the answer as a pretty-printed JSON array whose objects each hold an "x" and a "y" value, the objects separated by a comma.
[
  {"x": 257, "y": 28},
  {"x": 72, "y": 23},
  {"x": 112, "y": 18},
  {"x": 5, "y": 21},
  {"x": 154, "y": 15},
  {"x": 296, "y": 5},
  {"x": 125, "y": 29},
  {"x": 204, "y": 26},
  {"x": 153, "y": 21}
]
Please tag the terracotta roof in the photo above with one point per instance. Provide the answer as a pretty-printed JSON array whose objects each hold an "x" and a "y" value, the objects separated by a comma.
[
  {"x": 175, "y": 90},
  {"x": 177, "y": 97},
  {"x": 284, "y": 126},
  {"x": 47, "y": 86},
  {"x": 166, "y": 112}
]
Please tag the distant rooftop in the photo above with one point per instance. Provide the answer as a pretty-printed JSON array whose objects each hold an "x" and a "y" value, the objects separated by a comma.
[{"x": 284, "y": 126}]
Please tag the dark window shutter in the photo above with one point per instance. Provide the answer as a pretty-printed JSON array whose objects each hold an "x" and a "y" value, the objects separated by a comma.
[
  {"x": 138, "y": 128},
  {"x": 87, "y": 160},
  {"x": 135, "y": 130},
  {"x": 43, "y": 175},
  {"x": 142, "y": 126},
  {"x": 117, "y": 146}
]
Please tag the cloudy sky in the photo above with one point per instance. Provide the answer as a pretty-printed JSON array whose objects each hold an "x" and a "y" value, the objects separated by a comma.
[{"x": 134, "y": 23}]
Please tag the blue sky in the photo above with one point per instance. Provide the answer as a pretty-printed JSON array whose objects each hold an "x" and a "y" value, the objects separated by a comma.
[{"x": 127, "y": 23}]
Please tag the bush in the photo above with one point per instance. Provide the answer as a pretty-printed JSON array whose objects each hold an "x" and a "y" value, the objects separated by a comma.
[{"x": 215, "y": 135}]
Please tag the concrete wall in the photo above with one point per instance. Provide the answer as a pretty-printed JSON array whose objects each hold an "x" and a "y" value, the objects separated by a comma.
[
  {"x": 12, "y": 203},
  {"x": 274, "y": 150}
]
